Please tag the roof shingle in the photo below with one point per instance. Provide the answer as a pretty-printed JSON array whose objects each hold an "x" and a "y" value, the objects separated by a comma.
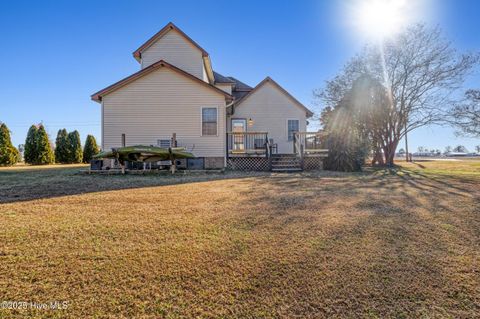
[
  {"x": 221, "y": 79},
  {"x": 239, "y": 85}
]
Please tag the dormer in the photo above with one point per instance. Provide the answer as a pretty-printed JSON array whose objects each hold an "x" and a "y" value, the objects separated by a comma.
[{"x": 172, "y": 45}]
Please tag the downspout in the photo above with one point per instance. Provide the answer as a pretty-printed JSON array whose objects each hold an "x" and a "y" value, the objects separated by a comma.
[
  {"x": 226, "y": 131},
  {"x": 102, "y": 128},
  {"x": 231, "y": 104}
]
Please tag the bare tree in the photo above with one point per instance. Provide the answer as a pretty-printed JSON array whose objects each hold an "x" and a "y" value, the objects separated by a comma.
[
  {"x": 466, "y": 114},
  {"x": 419, "y": 70},
  {"x": 460, "y": 149}
]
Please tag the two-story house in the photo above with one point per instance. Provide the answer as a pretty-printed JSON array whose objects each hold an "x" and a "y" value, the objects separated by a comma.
[{"x": 216, "y": 117}]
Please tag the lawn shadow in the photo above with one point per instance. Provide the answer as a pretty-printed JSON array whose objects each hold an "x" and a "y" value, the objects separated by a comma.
[
  {"x": 388, "y": 241},
  {"x": 25, "y": 185},
  {"x": 447, "y": 184},
  {"x": 375, "y": 190},
  {"x": 279, "y": 189},
  {"x": 309, "y": 244}
]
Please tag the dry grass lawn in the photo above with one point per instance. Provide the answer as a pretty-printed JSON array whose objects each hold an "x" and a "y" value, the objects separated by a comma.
[{"x": 400, "y": 243}]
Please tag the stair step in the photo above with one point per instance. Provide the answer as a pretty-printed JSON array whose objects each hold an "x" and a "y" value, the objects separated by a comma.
[
  {"x": 285, "y": 165},
  {"x": 285, "y": 160},
  {"x": 277, "y": 157},
  {"x": 294, "y": 169}
]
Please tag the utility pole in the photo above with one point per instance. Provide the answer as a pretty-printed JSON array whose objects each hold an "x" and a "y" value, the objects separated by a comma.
[
  {"x": 173, "y": 143},
  {"x": 406, "y": 143}
]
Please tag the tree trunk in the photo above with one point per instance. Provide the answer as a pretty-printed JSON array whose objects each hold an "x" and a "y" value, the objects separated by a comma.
[
  {"x": 389, "y": 153},
  {"x": 389, "y": 158},
  {"x": 377, "y": 158}
]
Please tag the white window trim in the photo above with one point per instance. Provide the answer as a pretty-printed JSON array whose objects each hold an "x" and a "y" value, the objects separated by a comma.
[
  {"x": 286, "y": 124},
  {"x": 239, "y": 118},
  {"x": 201, "y": 120}
]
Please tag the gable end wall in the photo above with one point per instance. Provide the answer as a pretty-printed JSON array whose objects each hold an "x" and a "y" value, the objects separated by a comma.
[
  {"x": 176, "y": 50},
  {"x": 270, "y": 108},
  {"x": 159, "y": 104}
]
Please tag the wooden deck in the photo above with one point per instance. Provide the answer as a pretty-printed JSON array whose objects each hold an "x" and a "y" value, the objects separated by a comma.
[{"x": 255, "y": 151}]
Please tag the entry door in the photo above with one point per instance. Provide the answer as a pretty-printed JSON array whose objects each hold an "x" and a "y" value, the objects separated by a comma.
[{"x": 239, "y": 126}]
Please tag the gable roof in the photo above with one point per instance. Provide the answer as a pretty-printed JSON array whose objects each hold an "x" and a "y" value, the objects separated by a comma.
[
  {"x": 170, "y": 26},
  {"x": 239, "y": 85},
  {"x": 270, "y": 80},
  {"x": 155, "y": 66},
  {"x": 240, "y": 89},
  {"x": 137, "y": 54},
  {"x": 222, "y": 79}
]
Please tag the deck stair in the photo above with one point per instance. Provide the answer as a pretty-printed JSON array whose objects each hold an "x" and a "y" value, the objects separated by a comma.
[{"x": 286, "y": 163}]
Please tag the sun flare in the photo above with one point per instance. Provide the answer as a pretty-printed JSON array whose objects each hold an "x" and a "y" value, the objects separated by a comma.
[{"x": 379, "y": 18}]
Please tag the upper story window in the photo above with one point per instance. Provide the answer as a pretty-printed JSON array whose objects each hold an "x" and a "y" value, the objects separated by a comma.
[
  {"x": 293, "y": 126},
  {"x": 209, "y": 121}
]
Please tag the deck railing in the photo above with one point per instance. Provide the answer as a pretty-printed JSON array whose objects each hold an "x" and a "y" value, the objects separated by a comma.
[
  {"x": 309, "y": 143},
  {"x": 248, "y": 143}
]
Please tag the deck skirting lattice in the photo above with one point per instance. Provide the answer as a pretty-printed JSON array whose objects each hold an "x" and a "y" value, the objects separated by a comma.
[
  {"x": 312, "y": 163},
  {"x": 248, "y": 164}
]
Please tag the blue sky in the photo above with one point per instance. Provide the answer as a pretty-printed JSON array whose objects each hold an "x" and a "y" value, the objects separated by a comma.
[{"x": 55, "y": 54}]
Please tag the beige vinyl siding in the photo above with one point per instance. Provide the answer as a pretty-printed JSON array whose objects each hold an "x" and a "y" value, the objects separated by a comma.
[
  {"x": 270, "y": 109},
  {"x": 225, "y": 87},
  {"x": 159, "y": 104},
  {"x": 176, "y": 50}
]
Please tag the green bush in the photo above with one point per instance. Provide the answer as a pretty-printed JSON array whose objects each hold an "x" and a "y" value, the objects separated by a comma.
[
  {"x": 347, "y": 146},
  {"x": 43, "y": 149},
  {"x": 75, "y": 153},
  {"x": 346, "y": 153},
  {"x": 8, "y": 153},
  {"x": 61, "y": 147},
  {"x": 30, "y": 152},
  {"x": 91, "y": 148}
]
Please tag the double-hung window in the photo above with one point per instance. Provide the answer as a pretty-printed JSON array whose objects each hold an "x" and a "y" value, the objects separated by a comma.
[
  {"x": 209, "y": 121},
  {"x": 292, "y": 126}
]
